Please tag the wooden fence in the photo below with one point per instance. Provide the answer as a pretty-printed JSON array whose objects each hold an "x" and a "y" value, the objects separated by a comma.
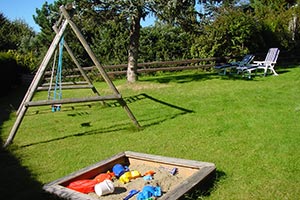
[{"x": 205, "y": 64}]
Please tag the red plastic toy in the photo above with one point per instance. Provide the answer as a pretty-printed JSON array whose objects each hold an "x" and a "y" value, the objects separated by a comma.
[
  {"x": 103, "y": 176},
  {"x": 84, "y": 186}
]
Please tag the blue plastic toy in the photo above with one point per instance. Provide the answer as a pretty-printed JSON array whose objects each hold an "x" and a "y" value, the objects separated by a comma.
[
  {"x": 147, "y": 178},
  {"x": 131, "y": 194},
  {"x": 149, "y": 191},
  {"x": 119, "y": 170}
]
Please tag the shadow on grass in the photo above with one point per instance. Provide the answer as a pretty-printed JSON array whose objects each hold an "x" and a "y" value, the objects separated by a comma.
[
  {"x": 110, "y": 129},
  {"x": 192, "y": 77},
  {"x": 206, "y": 187},
  {"x": 178, "y": 78},
  {"x": 80, "y": 108},
  {"x": 121, "y": 126},
  {"x": 195, "y": 76},
  {"x": 17, "y": 182},
  {"x": 143, "y": 96}
]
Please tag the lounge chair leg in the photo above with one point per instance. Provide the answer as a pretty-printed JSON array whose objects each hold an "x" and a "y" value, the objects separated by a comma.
[
  {"x": 266, "y": 71},
  {"x": 274, "y": 72}
]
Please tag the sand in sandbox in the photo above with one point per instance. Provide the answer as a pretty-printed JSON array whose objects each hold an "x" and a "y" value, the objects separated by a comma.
[{"x": 162, "y": 178}]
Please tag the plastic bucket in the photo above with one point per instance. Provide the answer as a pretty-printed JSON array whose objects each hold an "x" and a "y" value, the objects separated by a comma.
[
  {"x": 118, "y": 170},
  {"x": 105, "y": 187}
]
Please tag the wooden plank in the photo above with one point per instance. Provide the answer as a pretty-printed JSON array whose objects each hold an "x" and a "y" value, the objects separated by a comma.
[
  {"x": 98, "y": 65},
  {"x": 87, "y": 79},
  {"x": 74, "y": 100},
  {"x": 155, "y": 64},
  {"x": 65, "y": 193},
  {"x": 68, "y": 87},
  {"x": 147, "y": 70},
  {"x": 189, "y": 183},
  {"x": 178, "y": 68},
  {"x": 88, "y": 49},
  {"x": 92, "y": 170},
  {"x": 67, "y": 83},
  {"x": 169, "y": 160},
  {"x": 201, "y": 173},
  {"x": 41, "y": 70},
  {"x": 33, "y": 86}
]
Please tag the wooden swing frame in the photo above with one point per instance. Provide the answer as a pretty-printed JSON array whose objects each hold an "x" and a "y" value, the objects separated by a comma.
[{"x": 64, "y": 21}]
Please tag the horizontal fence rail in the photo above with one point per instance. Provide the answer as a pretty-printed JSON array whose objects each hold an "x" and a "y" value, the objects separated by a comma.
[
  {"x": 206, "y": 64},
  {"x": 149, "y": 67}
]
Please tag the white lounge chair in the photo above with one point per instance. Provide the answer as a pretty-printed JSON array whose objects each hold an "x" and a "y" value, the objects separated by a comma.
[
  {"x": 267, "y": 64},
  {"x": 232, "y": 65}
]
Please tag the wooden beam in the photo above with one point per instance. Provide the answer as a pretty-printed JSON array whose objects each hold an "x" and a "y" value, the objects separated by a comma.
[
  {"x": 37, "y": 78},
  {"x": 32, "y": 88},
  {"x": 77, "y": 64},
  {"x": 66, "y": 83},
  {"x": 73, "y": 100},
  {"x": 68, "y": 87},
  {"x": 98, "y": 65},
  {"x": 27, "y": 100},
  {"x": 88, "y": 49}
]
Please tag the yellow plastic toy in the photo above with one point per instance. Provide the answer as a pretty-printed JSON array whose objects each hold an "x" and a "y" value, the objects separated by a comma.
[
  {"x": 125, "y": 178},
  {"x": 135, "y": 174}
]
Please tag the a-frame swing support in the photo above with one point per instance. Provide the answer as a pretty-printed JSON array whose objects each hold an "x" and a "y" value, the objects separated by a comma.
[{"x": 38, "y": 77}]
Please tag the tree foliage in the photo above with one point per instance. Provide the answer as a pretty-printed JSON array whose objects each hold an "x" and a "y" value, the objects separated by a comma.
[
  {"x": 121, "y": 16},
  {"x": 15, "y": 35},
  {"x": 232, "y": 33},
  {"x": 276, "y": 18},
  {"x": 233, "y": 28},
  {"x": 224, "y": 28},
  {"x": 164, "y": 42},
  {"x": 112, "y": 28},
  {"x": 17, "y": 51},
  {"x": 110, "y": 42},
  {"x": 9, "y": 72}
]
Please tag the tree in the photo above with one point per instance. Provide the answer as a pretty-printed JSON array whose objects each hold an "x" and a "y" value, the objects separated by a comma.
[
  {"x": 232, "y": 33},
  {"x": 110, "y": 42},
  {"x": 5, "y": 27},
  {"x": 133, "y": 12},
  {"x": 232, "y": 28},
  {"x": 15, "y": 35},
  {"x": 16, "y": 51},
  {"x": 163, "y": 42},
  {"x": 46, "y": 17},
  {"x": 96, "y": 13},
  {"x": 276, "y": 17},
  {"x": 17, "y": 39}
]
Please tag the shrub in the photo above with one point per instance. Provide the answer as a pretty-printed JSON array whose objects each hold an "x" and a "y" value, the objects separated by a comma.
[
  {"x": 232, "y": 33},
  {"x": 27, "y": 61},
  {"x": 9, "y": 72}
]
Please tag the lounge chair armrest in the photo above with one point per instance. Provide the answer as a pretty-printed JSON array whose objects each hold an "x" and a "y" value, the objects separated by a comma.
[
  {"x": 245, "y": 67},
  {"x": 234, "y": 63},
  {"x": 222, "y": 66},
  {"x": 259, "y": 62}
]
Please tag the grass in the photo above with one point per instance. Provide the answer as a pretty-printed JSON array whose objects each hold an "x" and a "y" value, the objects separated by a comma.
[{"x": 248, "y": 128}]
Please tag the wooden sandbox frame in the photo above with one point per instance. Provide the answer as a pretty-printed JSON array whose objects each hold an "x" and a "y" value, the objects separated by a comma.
[{"x": 196, "y": 173}]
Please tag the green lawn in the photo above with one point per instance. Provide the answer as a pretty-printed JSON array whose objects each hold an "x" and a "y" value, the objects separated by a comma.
[{"x": 248, "y": 128}]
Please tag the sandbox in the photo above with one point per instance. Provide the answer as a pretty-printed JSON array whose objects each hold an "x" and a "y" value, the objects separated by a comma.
[{"x": 189, "y": 174}]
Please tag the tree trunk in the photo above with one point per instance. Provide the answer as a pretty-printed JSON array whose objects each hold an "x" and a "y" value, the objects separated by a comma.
[{"x": 133, "y": 48}]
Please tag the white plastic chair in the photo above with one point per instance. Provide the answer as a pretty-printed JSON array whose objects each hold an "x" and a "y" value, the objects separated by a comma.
[{"x": 267, "y": 64}]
